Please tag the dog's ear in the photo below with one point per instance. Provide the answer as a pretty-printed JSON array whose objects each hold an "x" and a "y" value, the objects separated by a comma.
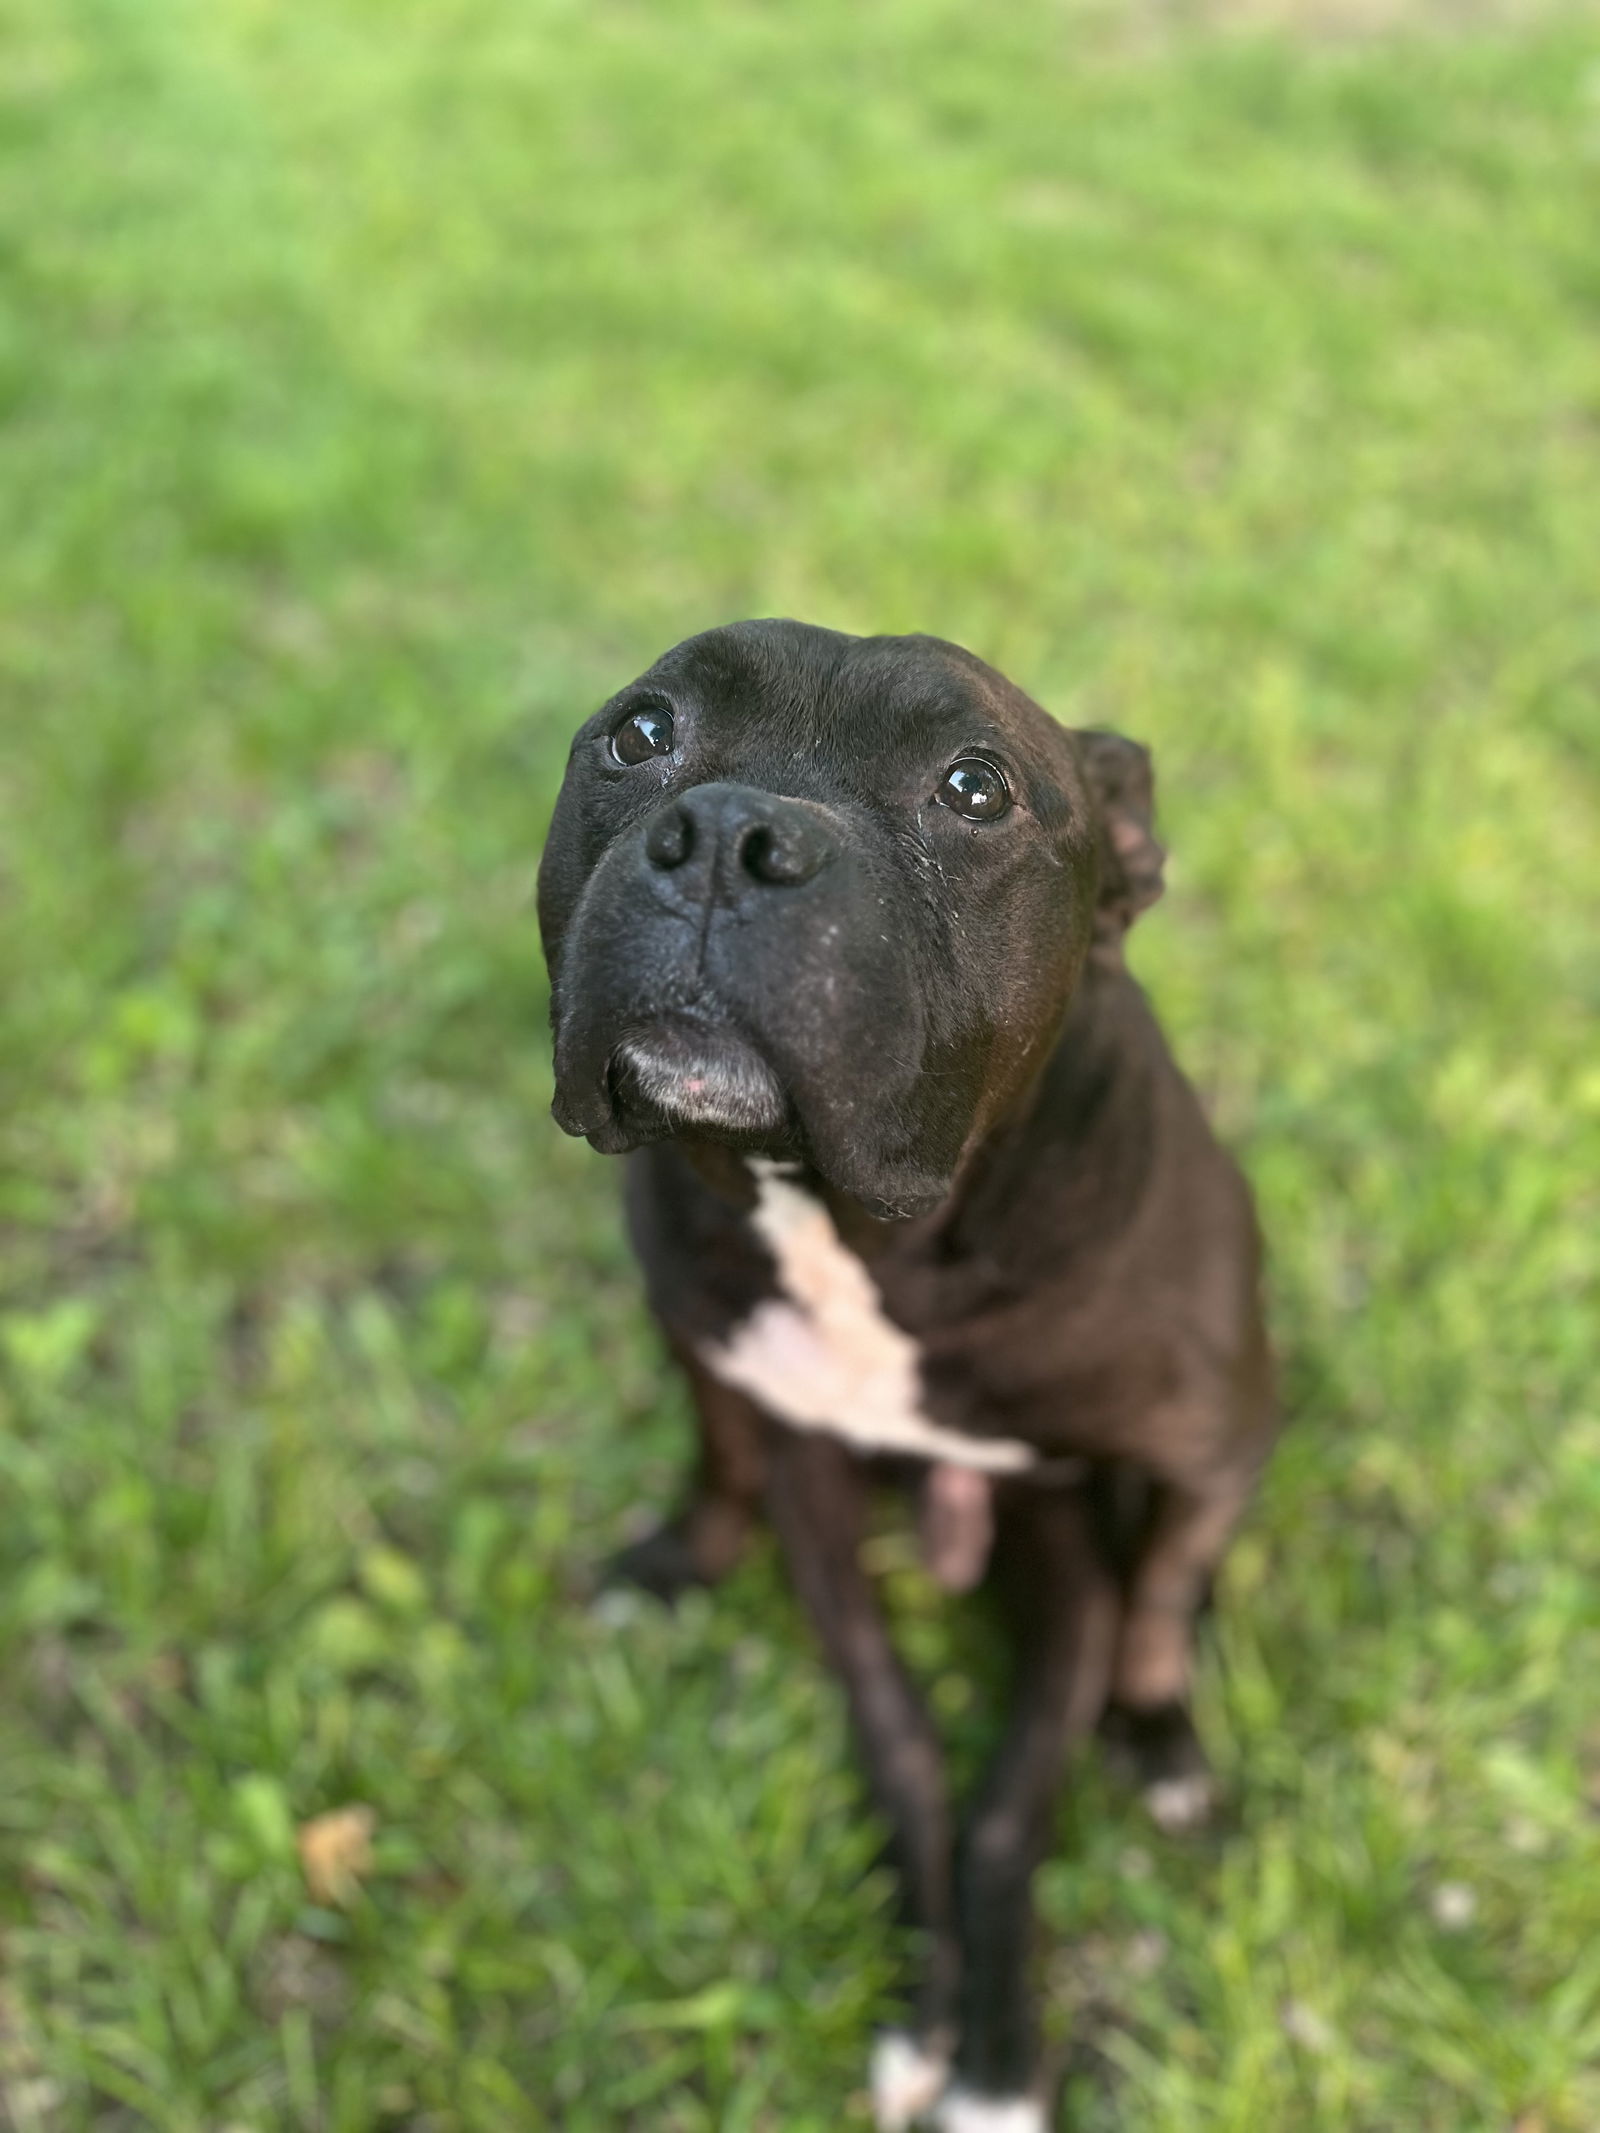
[{"x": 1123, "y": 782}]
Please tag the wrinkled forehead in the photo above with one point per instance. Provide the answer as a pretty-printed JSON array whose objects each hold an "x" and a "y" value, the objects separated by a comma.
[{"x": 853, "y": 699}]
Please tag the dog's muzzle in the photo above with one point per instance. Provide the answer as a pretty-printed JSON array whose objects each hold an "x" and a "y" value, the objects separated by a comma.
[{"x": 704, "y": 1079}]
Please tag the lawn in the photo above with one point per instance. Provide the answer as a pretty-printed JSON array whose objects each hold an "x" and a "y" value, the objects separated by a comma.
[{"x": 381, "y": 384}]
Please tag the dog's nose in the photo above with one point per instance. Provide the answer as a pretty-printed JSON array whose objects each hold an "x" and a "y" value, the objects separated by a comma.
[{"x": 739, "y": 835}]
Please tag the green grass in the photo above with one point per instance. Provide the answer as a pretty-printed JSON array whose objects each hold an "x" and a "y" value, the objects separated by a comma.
[{"x": 380, "y": 385}]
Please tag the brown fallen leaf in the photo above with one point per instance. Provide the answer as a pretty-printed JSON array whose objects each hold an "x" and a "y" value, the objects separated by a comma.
[{"x": 335, "y": 1851}]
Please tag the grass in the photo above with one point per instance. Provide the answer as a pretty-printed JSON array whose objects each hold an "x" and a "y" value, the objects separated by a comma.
[{"x": 382, "y": 385}]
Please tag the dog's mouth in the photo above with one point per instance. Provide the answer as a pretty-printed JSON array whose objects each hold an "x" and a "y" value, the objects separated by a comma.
[{"x": 668, "y": 1078}]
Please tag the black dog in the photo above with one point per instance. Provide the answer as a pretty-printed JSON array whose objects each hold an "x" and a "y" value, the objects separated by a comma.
[{"x": 835, "y": 932}]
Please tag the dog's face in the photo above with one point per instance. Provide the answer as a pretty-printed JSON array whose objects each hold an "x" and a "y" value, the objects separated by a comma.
[{"x": 826, "y": 898}]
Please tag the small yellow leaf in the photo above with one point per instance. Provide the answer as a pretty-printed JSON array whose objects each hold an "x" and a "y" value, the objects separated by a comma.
[{"x": 335, "y": 1852}]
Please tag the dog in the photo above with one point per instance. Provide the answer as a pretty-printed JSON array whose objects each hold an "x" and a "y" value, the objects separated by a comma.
[{"x": 835, "y": 931}]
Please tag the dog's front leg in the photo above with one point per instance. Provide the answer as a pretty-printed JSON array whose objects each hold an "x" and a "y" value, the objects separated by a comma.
[
  {"x": 817, "y": 1495},
  {"x": 1149, "y": 1726},
  {"x": 705, "y": 1538},
  {"x": 1062, "y": 1607}
]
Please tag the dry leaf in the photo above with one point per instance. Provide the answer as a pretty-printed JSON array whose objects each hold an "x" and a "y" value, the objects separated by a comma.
[{"x": 335, "y": 1851}]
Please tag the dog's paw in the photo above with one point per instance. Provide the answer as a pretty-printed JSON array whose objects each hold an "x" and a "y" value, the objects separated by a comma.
[
  {"x": 661, "y": 1565},
  {"x": 907, "y": 2078},
  {"x": 960, "y": 2111},
  {"x": 1159, "y": 1752}
]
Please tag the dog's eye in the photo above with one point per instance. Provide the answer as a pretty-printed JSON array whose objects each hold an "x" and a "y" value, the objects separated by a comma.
[
  {"x": 644, "y": 733},
  {"x": 974, "y": 789}
]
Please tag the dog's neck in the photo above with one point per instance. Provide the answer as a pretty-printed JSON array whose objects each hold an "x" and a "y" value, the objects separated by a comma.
[{"x": 1087, "y": 1121}]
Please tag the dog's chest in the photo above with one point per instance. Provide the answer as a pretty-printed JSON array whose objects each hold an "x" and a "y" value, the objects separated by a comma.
[{"x": 823, "y": 1353}]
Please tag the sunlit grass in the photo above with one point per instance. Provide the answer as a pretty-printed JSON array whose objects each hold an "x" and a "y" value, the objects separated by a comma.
[{"x": 381, "y": 385}]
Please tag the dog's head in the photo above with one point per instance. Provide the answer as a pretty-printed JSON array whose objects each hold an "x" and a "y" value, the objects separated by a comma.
[{"x": 826, "y": 898}]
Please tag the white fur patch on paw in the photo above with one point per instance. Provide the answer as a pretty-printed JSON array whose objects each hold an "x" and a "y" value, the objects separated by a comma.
[
  {"x": 906, "y": 2080},
  {"x": 962, "y": 2112},
  {"x": 1179, "y": 1804}
]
